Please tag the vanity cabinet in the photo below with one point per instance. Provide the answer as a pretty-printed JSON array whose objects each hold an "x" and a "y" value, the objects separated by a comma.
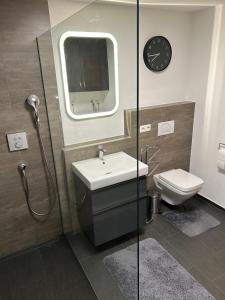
[
  {"x": 108, "y": 213},
  {"x": 86, "y": 64}
]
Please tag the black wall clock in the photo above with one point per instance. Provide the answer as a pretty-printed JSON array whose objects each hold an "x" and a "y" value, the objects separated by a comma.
[{"x": 157, "y": 53}]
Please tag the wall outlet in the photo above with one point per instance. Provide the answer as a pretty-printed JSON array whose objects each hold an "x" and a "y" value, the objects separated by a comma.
[
  {"x": 166, "y": 127},
  {"x": 17, "y": 141},
  {"x": 145, "y": 128}
]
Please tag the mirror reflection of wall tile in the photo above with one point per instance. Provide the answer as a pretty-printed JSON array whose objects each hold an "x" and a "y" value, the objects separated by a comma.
[{"x": 89, "y": 69}]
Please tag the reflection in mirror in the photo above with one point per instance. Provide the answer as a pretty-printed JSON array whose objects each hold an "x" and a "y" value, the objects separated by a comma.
[{"x": 90, "y": 74}]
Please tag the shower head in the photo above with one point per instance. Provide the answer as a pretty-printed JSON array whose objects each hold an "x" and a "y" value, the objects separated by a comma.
[{"x": 33, "y": 102}]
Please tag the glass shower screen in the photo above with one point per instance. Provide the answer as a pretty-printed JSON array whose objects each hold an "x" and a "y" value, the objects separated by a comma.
[{"x": 89, "y": 67}]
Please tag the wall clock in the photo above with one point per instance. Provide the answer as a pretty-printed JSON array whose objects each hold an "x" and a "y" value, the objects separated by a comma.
[{"x": 157, "y": 53}]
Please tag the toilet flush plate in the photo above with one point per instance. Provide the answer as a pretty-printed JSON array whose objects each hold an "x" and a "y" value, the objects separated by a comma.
[
  {"x": 17, "y": 141},
  {"x": 166, "y": 127}
]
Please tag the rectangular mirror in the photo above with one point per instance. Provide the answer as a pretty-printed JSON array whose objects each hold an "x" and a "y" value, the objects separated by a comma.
[{"x": 89, "y": 62}]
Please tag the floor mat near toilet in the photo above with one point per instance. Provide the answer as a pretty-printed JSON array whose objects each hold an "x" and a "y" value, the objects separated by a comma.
[
  {"x": 161, "y": 277},
  {"x": 191, "y": 220}
]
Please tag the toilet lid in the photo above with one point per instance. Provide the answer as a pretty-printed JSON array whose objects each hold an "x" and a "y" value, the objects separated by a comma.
[{"x": 181, "y": 180}]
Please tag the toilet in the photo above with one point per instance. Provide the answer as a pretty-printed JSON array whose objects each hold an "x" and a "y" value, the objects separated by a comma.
[{"x": 177, "y": 185}]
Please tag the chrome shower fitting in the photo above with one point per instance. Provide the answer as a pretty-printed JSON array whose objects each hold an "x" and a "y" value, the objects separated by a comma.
[
  {"x": 33, "y": 102},
  {"x": 22, "y": 169}
]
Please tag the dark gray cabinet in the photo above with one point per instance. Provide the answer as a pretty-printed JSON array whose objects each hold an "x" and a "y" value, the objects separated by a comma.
[
  {"x": 87, "y": 64},
  {"x": 108, "y": 213}
]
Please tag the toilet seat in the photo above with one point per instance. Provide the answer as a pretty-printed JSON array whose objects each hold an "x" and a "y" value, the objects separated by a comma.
[
  {"x": 181, "y": 180},
  {"x": 170, "y": 187}
]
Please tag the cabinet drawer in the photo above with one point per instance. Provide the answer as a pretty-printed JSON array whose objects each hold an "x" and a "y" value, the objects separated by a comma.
[
  {"x": 118, "y": 221},
  {"x": 117, "y": 195}
]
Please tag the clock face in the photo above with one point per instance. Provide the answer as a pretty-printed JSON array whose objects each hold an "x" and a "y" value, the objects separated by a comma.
[{"x": 157, "y": 53}]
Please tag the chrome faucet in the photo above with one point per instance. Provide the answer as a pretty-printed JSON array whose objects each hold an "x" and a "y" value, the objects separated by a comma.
[{"x": 101, "y": 152}]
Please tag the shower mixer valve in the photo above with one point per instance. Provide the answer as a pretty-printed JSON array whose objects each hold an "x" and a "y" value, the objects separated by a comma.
[{"x": 17, "y": 141}]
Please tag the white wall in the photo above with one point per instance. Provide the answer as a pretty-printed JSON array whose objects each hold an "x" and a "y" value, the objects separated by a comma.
[
  {"x": 198, "y": 80},
  {"x": 190, "y": 76},
  {"x": 60, "y": 10},
  {"x": 168, "y": 86},
  {"x": 121, "y": 22},
  {"x": 205, "y": 148}
]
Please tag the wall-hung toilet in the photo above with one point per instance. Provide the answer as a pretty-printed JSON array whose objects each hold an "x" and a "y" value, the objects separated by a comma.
[{"x": 177, "y": 185}]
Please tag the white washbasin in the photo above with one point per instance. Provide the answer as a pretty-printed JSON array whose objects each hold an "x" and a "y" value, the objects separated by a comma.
[{"x": 115, "y": 168}]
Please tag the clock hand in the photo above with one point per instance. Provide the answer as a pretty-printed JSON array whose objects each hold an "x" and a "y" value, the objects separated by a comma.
[{"x": 155, "y": 56}]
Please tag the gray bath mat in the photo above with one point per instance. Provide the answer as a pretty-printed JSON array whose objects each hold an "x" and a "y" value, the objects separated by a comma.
[
  {"x": 191, "y": 220},
  {"x": 161, "y": 276}
]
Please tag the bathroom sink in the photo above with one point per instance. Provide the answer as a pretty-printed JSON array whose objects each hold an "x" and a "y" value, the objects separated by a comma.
[{"x": 115, "y": 168}]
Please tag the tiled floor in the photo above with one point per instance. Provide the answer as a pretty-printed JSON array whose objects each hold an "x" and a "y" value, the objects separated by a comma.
[
  {"x": 91, "y": 261},
  {"x": 203, "y": 256},
  {"x": 50, "y": 272}
]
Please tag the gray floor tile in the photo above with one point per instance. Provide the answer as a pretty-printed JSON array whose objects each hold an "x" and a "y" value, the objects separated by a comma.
[
  {"x": 221, "y": 227},
  {"x": 27, "y": 277},
  {"x": 92, "y": 264},
  {"x": 213, "y": 239},
  {"x": 84, "y": 249},
  {"x": 102, "y": 282},
  {"x": 81, "y": 291},
  {"x": 53, "y": 273},
  {"x": 4, "y": 282},
  {"x": 208, "y": 284},
  {"x": 198, "y": 255},
  {"x": 220, "y": 257},
  {"x": 50, "y": 272},
  {"x": 60, "y": 263},
  {"x": 193, "y": 249},
  {"x": 211, "y": 267},
  {"x": 163, "y": 227},
  {"x": 220, "y": 283}
]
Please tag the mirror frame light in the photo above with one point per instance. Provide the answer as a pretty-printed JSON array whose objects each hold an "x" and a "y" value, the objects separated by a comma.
[{"x": 68, "y": 34}]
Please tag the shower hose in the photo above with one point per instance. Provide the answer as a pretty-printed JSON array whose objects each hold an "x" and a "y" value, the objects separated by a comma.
[{"x": 50, "y": 183}]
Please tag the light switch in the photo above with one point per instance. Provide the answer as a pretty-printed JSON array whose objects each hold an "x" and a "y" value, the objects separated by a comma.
[
  {"x": 166, "y": 127},
  {"x": 17, "y": 141}
]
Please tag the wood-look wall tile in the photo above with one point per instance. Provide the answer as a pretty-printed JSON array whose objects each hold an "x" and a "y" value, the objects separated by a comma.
[
  {"x": 174, "y": 148},
  {"x": 20, "y": 75},
  {"x": 22, "y": 70}
]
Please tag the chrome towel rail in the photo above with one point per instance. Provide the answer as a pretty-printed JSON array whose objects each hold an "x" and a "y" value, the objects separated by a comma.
[
  {"x": 148, "y": 154},
  {"x": 221, "y": 145}
]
